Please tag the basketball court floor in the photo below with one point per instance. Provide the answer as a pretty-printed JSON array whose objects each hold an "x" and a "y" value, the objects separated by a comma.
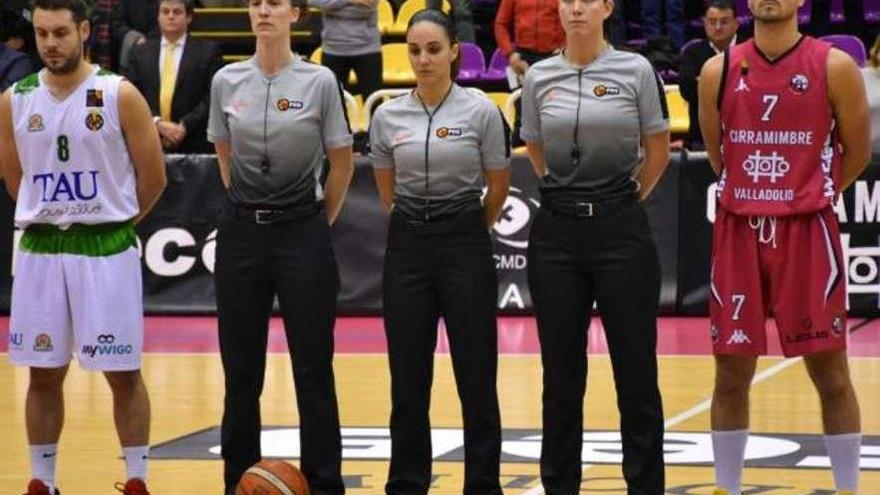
[{"x": 183, "y": 373}]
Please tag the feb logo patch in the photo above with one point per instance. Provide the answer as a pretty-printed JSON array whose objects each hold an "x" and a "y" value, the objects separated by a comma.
[
  {"x": 285, "y": 104},
  {"x": 600, "y": 90},
  {"x": 35, "y": 123},
  {"x": 444, "y": 132},
  {"x": 94, "y": 121},
  {"x": 799, "y": 83}
]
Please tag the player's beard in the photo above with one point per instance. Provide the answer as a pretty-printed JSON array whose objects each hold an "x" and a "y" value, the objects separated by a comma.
[{"x": 70, "y": 63}]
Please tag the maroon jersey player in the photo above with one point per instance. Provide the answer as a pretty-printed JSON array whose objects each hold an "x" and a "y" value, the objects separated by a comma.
[{"x": 785, "y": 122}]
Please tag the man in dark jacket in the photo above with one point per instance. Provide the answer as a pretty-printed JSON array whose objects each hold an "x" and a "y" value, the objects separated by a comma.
[{"x": 720, "y": 23}]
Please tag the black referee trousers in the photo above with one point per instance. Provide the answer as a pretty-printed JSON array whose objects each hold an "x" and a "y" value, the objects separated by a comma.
[
  {"x": 435, "y": 269},
  {"x": 609, "y": 258},
  {"x": 294, "y": 260}
]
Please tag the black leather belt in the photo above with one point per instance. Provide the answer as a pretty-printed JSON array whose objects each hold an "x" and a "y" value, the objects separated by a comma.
[
  {"x": 444, "y": 224},
  {"x": 273, "y": 215},
  {"x": 584, "y": 209}
]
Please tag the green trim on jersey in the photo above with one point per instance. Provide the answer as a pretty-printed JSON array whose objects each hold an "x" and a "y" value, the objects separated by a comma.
[
  {"x": 27, "y": 83},
  {"x": 104, "y": 239},
  {"x": 105, "y": 72}
]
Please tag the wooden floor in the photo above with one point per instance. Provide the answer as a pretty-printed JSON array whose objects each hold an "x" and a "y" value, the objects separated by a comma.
[{"x": 185, "y": 380}]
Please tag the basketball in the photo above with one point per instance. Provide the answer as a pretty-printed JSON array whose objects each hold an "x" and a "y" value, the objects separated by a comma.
[{"x": 272, "y": 478}]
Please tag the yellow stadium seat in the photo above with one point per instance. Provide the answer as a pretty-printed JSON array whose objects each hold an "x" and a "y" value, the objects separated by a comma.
[
  {"x": 679, "y": 119},
  {"x": 395, "y": 65},
  {"x": 386, "y": 16},
  {"x": 500, "y": 99},
  {"x": 316, "y": 58},
  {"x": 409, "y": 9}
]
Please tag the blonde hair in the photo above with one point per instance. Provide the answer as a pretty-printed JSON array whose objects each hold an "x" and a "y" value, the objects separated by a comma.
[{"x": 874, "y": 58}]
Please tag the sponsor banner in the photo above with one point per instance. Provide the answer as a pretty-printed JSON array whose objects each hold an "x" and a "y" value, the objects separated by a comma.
[
  {"x": 857, "y": 210},
  {"x": 177, "y": 240}
]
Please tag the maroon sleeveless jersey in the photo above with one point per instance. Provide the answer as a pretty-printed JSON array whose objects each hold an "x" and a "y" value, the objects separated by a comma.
[{"x": 779, "y": 150}]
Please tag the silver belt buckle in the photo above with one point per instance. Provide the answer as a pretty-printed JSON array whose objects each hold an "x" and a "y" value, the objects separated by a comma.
[
  {"x": 258, "y": 216},
  {"x": 584, "y": 209}
]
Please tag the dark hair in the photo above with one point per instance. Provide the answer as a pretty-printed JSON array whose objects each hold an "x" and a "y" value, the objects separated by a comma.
[
  {"x": 441, "y": 19},
  {"x": 188, "y": 5},
  {"x": 721, "y": 5},
  {"x": 77, "y": 8}
]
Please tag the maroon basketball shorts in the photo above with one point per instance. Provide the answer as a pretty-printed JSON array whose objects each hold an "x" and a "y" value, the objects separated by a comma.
[{"x": 787, "y": 267}]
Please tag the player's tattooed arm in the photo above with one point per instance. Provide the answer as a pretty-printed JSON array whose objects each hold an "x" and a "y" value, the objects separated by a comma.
[
  {"x": 143, "y": 144},
  {"x": 846, "y": 92},
  {"x": 10, "y": 166},
  {"x": 710, "y": 117}
]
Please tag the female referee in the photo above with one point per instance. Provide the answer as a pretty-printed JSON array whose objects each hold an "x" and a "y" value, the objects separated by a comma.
[
  {"x": 433, "y": 150},
  {"x": 272, "y": 118},
  {"x": 585, "y": 113}
]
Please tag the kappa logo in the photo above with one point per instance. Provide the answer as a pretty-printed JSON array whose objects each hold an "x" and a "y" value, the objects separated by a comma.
[
  {"x": 284, "y": 104},
  {"x": 742, "y": 86},
  {"x": 43, "y": 343},
  {"x": 444, "y": 132},
  {"x": 35, "y": 123},
  {"x": 738, "y": 337},
  {"x": 94, "y": 121},
  {"x": 773, "y": 166},
  {"x": 401, "y": 136},
  {"x": 713, "y": 333}
]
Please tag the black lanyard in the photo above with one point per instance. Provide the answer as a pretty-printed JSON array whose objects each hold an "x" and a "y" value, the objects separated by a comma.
[
  {"x": 430, "y": 115},
  {"x": 575, "y": 149},
  {"x": 264, "y": 165}
]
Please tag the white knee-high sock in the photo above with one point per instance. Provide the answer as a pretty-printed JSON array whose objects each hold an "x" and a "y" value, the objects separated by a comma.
[
  {"x": 729, "y": 448},
  {"x": 43, "y": 459},
  {"x": 843, "y": 450}
]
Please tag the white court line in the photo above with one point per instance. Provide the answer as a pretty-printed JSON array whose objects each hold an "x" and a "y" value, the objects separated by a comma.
[{"x": 699, "y": 408}]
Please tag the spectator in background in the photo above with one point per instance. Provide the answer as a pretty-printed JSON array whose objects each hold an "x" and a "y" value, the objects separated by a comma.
[
  {"x": 463, "y": 14},
  {"x": 350, "y": 40},
  {"x": 527, "y": 31},
  {"x": 101, "y": 47},
  {"x": 132, "y": 22},
  {"x": 721, "y": 24},
  {"x": 654, "y": 12},
  {"x": 853, "y": 11},
  {"x": 179, "y": 92},
  {"x": 871, "y": 75},
  {"x": 13, "y": 64}
]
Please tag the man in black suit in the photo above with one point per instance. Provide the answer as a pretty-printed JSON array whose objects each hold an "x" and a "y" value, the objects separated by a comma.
[
  {"x": 174, "y": 74},
  {"x": 720, "y": 24}
]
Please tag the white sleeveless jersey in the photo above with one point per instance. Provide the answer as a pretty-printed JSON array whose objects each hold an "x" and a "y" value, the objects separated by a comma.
[{"x": 75, "y": 164}]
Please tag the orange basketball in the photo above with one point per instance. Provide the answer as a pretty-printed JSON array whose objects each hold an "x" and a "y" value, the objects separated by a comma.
[{"x": 272, "y": 478}]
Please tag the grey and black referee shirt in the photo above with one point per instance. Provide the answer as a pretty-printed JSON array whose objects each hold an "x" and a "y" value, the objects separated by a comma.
[
  {"x": 279, "y": 128},
  {"x": 621, "y": 98},
  {"x": 467, "y": 135}
]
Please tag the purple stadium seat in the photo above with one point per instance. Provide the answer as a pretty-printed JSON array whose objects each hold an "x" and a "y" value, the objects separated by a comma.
[
  {"x": 850, "y": 44},
  {"x": 473, "y": 63},
  {"x": 495, "y": 72},
  {"x": 804, "y": 12},
  {"x": 689, "y": 43},
  {"x": 837, "y": 11},
  {"x": 872, "y": 11}
]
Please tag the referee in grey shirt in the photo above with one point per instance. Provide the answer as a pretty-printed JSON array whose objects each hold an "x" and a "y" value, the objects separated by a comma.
[
  {"x": 585, "y": 113},
  {"x": 273, "y": 120},
  {"x": 433, "y": 150}
]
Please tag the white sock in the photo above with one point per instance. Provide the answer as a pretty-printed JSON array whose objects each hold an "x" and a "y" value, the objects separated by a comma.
[
  {"x": 843, "y": 450},
  {"x": 729, "y": 448},
  {"x": 136, "y": 461},
  {"x": 43, "y": 459}
]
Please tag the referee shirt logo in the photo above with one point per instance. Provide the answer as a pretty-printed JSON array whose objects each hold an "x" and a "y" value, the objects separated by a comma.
[
  {"x": 284, "y": 104},
  {"x": 443, "y": 132},
  {"x": 601, "y": 90}
]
